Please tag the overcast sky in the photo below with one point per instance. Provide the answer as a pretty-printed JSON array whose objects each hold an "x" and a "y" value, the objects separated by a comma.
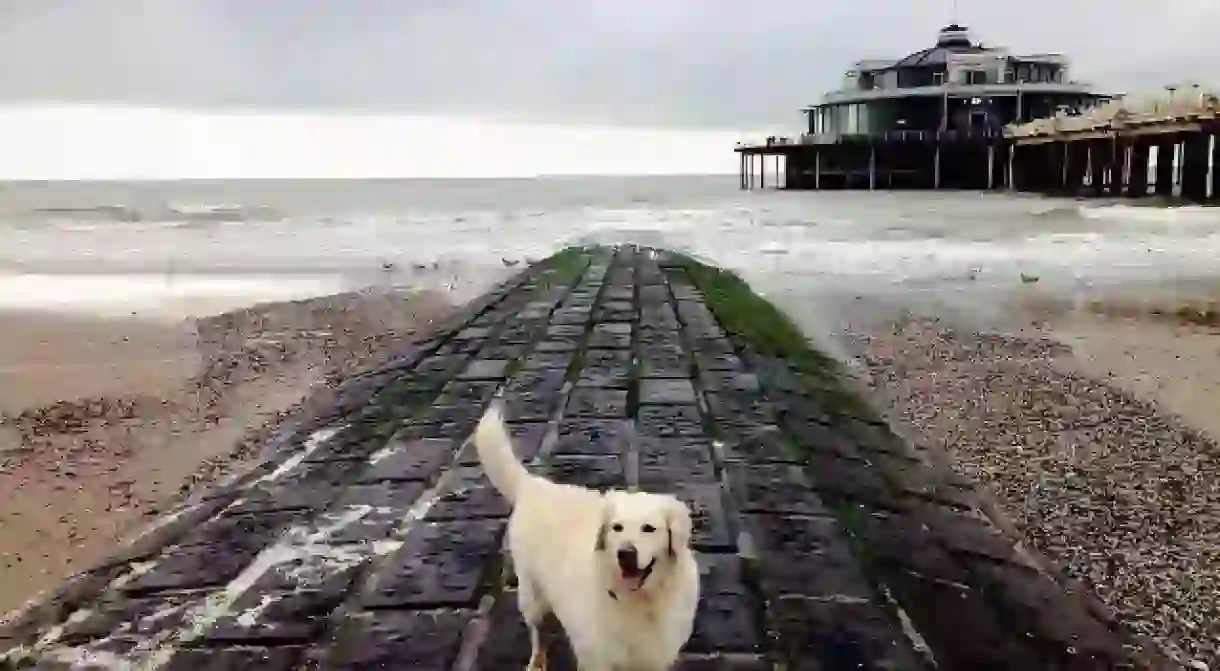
[
  {"x": 479, "y": 87},
  {"x": 711, "y": 63}
]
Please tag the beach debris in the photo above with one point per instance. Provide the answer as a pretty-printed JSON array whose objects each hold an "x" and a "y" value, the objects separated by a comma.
[
  {"x": 1029, "y": 279},
  {"x": 509, "y": 263}
]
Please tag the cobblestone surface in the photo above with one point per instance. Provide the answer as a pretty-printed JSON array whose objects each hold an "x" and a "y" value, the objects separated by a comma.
[{"x": 369, "y": 537}]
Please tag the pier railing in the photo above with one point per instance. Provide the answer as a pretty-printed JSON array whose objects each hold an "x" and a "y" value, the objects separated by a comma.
[
  {"x": 1190, "y": 107},
  {"x": 889, "y": 136}
]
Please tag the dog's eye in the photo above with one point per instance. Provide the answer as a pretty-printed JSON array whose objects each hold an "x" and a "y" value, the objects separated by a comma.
[
  {"x": 617, "y": 528},
  {"x": 648, "y": 528}
]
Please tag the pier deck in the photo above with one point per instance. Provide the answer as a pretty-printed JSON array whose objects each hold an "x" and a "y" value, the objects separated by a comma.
[{"x": 368, "y": 537}]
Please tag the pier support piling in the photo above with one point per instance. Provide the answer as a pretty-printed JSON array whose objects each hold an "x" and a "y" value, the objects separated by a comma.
[
  {"x": 1137, "y": 174},
  {"x": 1077, "y": 160},
  {"x": 1164, "y": 166},
  {"x": 1099, "y": 164},
  {"x": 1194, "y": 166},
  {"x": 1216, "y": 167},
  {"x": 1118, "y": 167}
]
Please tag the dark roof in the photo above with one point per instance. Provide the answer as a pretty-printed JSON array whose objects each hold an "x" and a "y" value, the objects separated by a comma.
[{"x": 953, "y": 39}]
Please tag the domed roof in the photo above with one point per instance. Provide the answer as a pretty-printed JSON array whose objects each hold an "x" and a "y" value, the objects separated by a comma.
[{"x": 953, "y": 39}]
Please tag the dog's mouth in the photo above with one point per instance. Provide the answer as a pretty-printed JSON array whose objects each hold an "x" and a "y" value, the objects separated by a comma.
[{"x": 637, "y": 575}]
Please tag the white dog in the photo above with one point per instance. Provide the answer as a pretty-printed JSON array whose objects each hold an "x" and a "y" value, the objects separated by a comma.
[{"x": 616, "y": 569}]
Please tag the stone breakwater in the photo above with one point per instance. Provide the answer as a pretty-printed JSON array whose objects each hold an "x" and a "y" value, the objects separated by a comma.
[{"x": 367, "y": 536}]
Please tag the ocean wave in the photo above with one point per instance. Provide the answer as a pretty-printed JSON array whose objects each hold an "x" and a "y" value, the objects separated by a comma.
[
  {"x": 1183, "y": 214},
  {"x": 164, "y": 216}
]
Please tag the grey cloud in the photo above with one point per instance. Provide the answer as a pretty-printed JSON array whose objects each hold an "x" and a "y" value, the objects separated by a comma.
[{"x": 656, "y": 62}]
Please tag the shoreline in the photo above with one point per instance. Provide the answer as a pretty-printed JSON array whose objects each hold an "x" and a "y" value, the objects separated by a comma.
[{"x": 136, "y": 435}]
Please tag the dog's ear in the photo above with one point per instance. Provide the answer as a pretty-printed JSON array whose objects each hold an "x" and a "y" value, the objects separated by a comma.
[
  {"x": 604, "y": 527},
  {"x": 600, "y": 544},
  {"x": 679, "y": 526}
]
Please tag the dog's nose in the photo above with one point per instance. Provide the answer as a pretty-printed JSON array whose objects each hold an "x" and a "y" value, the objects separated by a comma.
[{"x": 628, "y": 560}]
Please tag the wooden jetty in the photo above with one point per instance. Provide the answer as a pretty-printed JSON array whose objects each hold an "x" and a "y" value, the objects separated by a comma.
[{"x": 367, "y": 536}]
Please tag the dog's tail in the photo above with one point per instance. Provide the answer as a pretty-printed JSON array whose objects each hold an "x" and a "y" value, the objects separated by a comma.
[{"x": 495, "y": 448}]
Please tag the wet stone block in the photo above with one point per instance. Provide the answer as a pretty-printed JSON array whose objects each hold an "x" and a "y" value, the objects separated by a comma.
[
  {"x": 654, "y": 297},
  {"x": 355, "y": 442},
  {"x": 288, "y": 495},
  {"x": 189, "y": 568},
  {"x": 959, "y": 625},
  {"x": 240, "y": 532},
  {"x": 592, "y": 436},
  {"x": 545, "y": 346},
  {"x": 604, "y": 379},
  {"x": 847, "y": 478},
  {"x": 724, "y": 620},
  {"x": 965, "y": 532},
  {"x": 121, "y": 617},
  {"x": 474, "y": 333},
  {"x": 720, "y": 362},
  {"x": 653, "y": 336},
  {"x": 597, "y": 402},
  {"x": 772, "y": 489},
  {"x": 660, "y": 317},
  {"x": 728, "y": 380},
  {"x": 421, "y": 641},
  {"x": 235, "y": 659},
  {"x": 817, "y": 437},
  {"x": 463, "y": 414},
  {"x": 507, "y": 644},
  {"x": 663, "y": 391},
  {"x": 620, "y": 291},
  {"x": 568, "y": 332},
  {"x": 485, "y": 369},
  {"x": 711, "y": 525},
  {"x": 290, "y": 602},
  {"x": 367, "y": 513},
  {"x": 712, "y": 347},
  {"x": 528, "y": 406},
  {"x": 440, "y": 564},
  {"x": 765, "y": 445},
  {"x": 816, "y": 634},
  {"x": 466, "y": 393},
  {"x": 468, "y": 495},
  {"x": 571, "y": 316},
  {"x": 611, "y": 335},
  {"x": 668, "y": 421},
  {"x": 505, "y": 351},
  {"x": 806, "y": 556},
  {"x": 739, "y": 414},
  {"x": 410, "y": 459},
  {"x": 901, "y": 544},
  {"x": 676, "y": 460},
  {"x": 594, "y": 472},
  {"x": 1039, "y": 608},
  {"x": 663, "y": 361},
  {"x": 535, "y": 381},
  {"x": 557, "y": 361},
  {"x": 684, "y": 291}
]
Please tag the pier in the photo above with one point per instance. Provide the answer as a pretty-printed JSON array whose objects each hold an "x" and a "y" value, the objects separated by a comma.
[
  {"x": 934, "y": 119},
  {"x": 1163, "y": 145},
  {"x": 366, "y": 535}
]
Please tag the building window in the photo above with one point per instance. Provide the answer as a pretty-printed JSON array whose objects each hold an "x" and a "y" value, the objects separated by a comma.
[
  {"x": 976, "y": 77},
  {"x": 938, "y": 78}
]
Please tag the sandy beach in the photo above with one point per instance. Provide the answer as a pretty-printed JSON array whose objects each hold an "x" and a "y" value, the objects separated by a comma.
[
  {"x": 1094, "y": 428},
  {"x": 106, "y": 421}
]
